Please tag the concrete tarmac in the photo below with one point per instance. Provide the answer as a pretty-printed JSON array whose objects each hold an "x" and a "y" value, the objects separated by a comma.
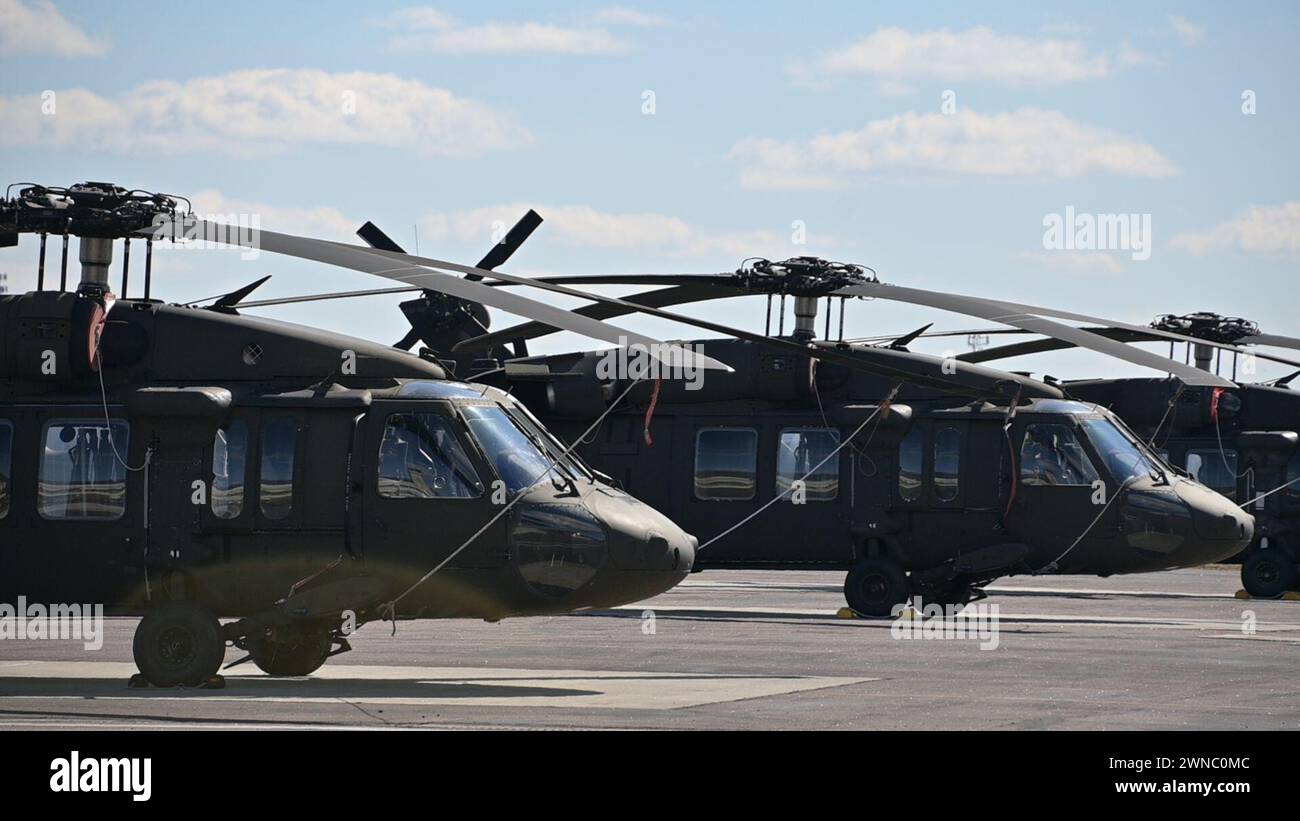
[{"x": 744, "y": 650}]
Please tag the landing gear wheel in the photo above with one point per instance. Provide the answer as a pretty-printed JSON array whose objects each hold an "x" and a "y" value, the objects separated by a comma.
[
  {"x": 958, "y": 592},
  {"x": 874, "y": 587},
  {"x": 178, "y": 643},
  {"x": 301, "y": 656},
  {"x": 1268, "y": 574}
]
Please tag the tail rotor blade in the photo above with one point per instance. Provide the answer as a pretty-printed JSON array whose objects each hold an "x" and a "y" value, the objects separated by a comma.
[{"x": 510, "y": 243}]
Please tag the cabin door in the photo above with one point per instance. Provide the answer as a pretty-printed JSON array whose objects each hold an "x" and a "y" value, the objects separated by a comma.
[{"x": 428, "y": 491}]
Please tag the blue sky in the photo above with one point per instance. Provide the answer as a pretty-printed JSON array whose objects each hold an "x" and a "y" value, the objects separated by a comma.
[{"x": 828, "y": 114}]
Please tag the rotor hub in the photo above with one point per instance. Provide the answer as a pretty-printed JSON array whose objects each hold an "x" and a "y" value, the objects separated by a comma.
[
  {"x": 88, "y": 209},
  {"x": 1208, "y": 326},
  {"x": 801, "y": 276}
]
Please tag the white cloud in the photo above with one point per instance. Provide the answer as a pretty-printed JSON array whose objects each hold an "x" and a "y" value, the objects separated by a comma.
[
  {"x": 1260, "y": 229},
  {"x": 415, "y": 17},
  {"x": 624, "y": 16},
  {"x": 1074, "y": 262},
  {"x": 582, "y": 226},
  {"x": 426, "y": 29},
  {"x": 1188, "y": 33},
  {"x": 1028, "y": 142},
  {"x": 895, "y": 54},
  {"x": 38, "y": 28},
  {"x": 258, "y": 111}
]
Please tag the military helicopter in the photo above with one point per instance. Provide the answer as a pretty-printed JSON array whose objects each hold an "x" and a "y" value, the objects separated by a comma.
[
  {"x": 1242, "y": 441},
  {"x": 917, "y": 475},
  {"x": 187, "y": 463}
]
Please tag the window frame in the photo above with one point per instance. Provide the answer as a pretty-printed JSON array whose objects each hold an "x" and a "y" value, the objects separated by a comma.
[
  {"x": 264, "y": 424},
  {"x": 695, "y": 463},
  {"x": 1081, "y": 441},
  {"x": 921, "y": 431},
  {"x": 248, "y": 453},
  {"x": 938, "y": 430},
  {"x": 469, "y": 448},
  {"x": 837, "y": 461},
  {"x": 123, "y": 451}
]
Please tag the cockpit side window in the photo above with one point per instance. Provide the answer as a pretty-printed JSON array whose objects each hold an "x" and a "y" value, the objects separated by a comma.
[
  {"x": 1051, "y": 455},
  {"x": 421, "y": 458}
]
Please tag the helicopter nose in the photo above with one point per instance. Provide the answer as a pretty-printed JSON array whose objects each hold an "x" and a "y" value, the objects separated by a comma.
[
  {"x": 1220, "y": 528},
  {"x": 642, "y": 539}
]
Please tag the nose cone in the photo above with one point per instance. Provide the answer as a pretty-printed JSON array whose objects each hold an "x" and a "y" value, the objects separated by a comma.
[
  {"x": 1182, "y": 525},
  {"x": 1222, "y": 528},
  {"x": 642, "y": 538}
]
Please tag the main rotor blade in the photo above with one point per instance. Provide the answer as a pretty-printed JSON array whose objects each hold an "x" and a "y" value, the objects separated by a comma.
[
  {"x": 1142, "y": 329},
  {"x": 846, "y": 358},
  {"x": 1118, "y": 334},
  {"x": 1033, "y": 346},
  {"x": 948, "y": 376},
  {"x": 660, "y": 298},
  {"x": 1272, "y": 340},
  {"x": 1019, "y": 316},
  {"x": 293, "y": 300},
  {"x": 399, "y": 267}
]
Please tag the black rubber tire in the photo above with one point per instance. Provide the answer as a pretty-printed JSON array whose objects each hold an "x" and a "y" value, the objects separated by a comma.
[
  {"x": 178, "y": 643},
  {"x": 300, "y": 657},
  {"x": 875, "y": 587},
  {"x": 1268, "y": 574}
]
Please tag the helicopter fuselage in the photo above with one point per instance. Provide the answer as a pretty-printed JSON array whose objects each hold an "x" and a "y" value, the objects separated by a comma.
[
  {"x": 943, "y": 486},
  {"x": 246, "y": 464}
]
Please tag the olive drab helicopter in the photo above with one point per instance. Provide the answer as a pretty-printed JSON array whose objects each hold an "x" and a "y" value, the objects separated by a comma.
[
  {"x": 917, "y": 475},
  {"x": 186, "y": 463},
  {"x": 1244, "y": 441}
]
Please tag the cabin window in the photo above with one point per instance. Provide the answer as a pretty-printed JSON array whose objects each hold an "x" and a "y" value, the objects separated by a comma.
[
  {"x": 1214, "y": 468},
  {"x": 82, "y": 475},
  {"x": 279, "y": 446},
  {"x": 1292, "y": 492},
  {"x": 726, "y": 464},
  {"x": 911, "y": 465},
  {"x": 229, "y": 456},
  {"x": 947, "y": 464},
  {"x": 6, "y": 462},
  {"x": 421, "y": 458},
  {"x": 1051, "y": 455},
  {"x": 801, "y": 452}
]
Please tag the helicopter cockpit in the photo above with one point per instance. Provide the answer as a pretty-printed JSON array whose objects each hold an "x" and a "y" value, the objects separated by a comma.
[
  {"x": 570, "y": 535},
  {"x": 1164, "y": 518}
]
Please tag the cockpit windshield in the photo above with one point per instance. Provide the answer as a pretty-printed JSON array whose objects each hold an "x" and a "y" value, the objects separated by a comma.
[
  {"x": 554, "y": 447},
  {"x": 518, "y": 458},
  {"x": 1125, "y": 457}
]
